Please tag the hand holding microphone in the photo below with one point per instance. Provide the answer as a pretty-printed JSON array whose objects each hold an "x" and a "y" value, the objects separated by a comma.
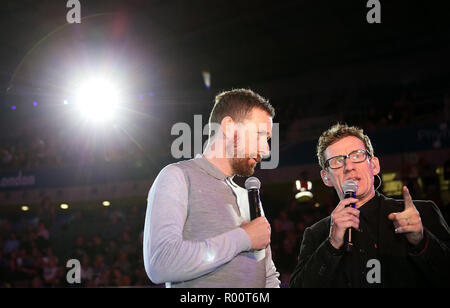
[
  {"x": 259, "y": 232},
  {"x": 344, "y": 217}
]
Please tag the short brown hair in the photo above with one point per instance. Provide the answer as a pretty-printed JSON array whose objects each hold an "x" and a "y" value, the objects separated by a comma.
[
  {"x": 336, "y": 133},
  {"x": 237, "y": 104}
]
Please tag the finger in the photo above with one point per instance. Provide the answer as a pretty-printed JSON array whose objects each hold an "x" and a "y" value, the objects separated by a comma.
[
  {"x": 347, "y": 218},
  {"x": 403, "y": 218},
  {"x": 398, "y": 223},
  {"x": 407, "y": 229},
  {"x": 407, "y": 214},
  {"x": 349, "y": 212},
  {"x": 347, "y": 201},
  {"x": 407, "y": 198},
  {"x": 350, "y": 224},
  {"x": 261, "y": 220},
  {"x": 344, "y": 202},
  {"x": 344, "y": 222},
  {"x": 408, "y": 221},
  {"x": 398, "y": 216},
  {"x": 392, "y": 216}
]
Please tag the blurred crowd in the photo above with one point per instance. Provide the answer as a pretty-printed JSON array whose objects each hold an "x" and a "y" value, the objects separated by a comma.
[
  {"x": 371, "y": 108},
  {"x": 35, "y": 247},
  {"x": 33, "y": 152}
]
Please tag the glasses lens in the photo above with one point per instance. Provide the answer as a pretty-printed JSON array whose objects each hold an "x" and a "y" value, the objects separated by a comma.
[
  {"x": 358, "y": 156},
  {"x": 336, "y": 162}
]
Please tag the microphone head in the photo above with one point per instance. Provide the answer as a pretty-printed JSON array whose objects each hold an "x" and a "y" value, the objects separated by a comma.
[
  {"x": 252, "y": 183},
  {"x": 350, "y": 186}
]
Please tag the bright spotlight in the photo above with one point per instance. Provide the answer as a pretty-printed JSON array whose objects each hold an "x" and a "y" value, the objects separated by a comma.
[{"x": 97, "y": 99}]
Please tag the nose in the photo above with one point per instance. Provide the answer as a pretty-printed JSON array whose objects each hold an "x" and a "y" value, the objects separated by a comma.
[
  {"x": 348, "y": 165},
  {"x": 264, "y": 149}
]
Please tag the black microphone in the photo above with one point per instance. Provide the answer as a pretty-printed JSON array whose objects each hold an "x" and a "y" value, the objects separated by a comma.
[
  {"x": 253, "y": 185},
  {"x": 349, "y": 188}
]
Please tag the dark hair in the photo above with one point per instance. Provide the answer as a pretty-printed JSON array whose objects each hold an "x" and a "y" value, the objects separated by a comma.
[
  {"x": 336, "y": 133},
  {"x": 237, "y": 104}
]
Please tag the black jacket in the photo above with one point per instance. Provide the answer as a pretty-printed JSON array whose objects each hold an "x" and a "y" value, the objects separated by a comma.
[{"x": 426, "y": 265}]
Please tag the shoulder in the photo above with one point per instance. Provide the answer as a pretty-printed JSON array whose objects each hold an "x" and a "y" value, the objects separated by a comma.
[
  {"x": 171, "y": 182},
  {"x": 174, "y": 169},
  {"x": 396, "y": 203},
  {"x": 401, "y": 201},
  {"x": 320, "y": 227},
  {"x": 179, "y": 167},
  {"x": 170, "y": 175}
]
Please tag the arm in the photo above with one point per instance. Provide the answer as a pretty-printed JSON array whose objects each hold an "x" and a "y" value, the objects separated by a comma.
[
  {"x": 167, "y": 256},
  {"x": 432, "y": 254},
  {"x": 317, "y": 262}
]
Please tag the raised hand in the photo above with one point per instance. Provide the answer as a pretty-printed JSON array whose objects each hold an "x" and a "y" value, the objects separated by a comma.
[{"x": 408, "y": 222}]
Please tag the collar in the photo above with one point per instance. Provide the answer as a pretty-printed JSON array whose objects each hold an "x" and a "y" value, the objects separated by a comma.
[
  {"x": 212, "y": 170},
  {"x": 370, "y": 208}
]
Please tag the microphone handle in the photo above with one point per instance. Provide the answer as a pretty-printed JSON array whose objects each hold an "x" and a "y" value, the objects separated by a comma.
[
  {"x": 348, "y": 241},
  {"x": 253, "y": 202}
]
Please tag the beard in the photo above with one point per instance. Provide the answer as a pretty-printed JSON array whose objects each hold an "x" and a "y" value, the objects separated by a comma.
[
  {"x": 241, "y": 166},
  {"x": 244, "y": 166}
]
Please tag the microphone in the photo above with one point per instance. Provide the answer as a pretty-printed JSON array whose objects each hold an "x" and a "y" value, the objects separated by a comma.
[
  {"x": 349, "y": 188},
  {"x": 253, "y": 185}
]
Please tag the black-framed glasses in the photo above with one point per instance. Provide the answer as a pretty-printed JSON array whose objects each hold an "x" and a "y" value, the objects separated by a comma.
[{"x": 337, "y": 162}]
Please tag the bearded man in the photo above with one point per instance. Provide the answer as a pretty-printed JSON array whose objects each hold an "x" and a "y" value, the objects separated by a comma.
[{"x": 197, "y": 229}]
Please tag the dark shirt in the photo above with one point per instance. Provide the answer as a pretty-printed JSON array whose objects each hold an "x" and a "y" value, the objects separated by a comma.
[{"x": 377, "y": 245}]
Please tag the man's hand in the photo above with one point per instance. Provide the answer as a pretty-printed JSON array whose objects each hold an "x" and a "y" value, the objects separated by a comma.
[
  {"x": 259, "y": 232},
  {"x": 343, "y": 218},
  {"x": 408, "y": 221}
]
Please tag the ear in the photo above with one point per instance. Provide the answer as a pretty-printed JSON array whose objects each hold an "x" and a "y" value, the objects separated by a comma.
[
  {"x": 227, "y": 126},
  {"x": 375, "y": 164},
  {"x": 325, "y": 178}
]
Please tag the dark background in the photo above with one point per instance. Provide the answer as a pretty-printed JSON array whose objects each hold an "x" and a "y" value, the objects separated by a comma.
[{"x": 318, "y": 62}]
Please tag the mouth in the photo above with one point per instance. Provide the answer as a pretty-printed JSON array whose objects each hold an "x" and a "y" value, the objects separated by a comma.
[
  {"x": 357, "y": 180},
  {"x": 255, "y": 160}
]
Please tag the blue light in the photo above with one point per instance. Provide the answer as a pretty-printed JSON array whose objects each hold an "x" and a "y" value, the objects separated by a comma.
[{"x": 13, "y": 107}]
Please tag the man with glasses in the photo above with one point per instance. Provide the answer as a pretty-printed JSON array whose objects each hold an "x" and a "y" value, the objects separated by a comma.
[{"x": 396, "y": 243}]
